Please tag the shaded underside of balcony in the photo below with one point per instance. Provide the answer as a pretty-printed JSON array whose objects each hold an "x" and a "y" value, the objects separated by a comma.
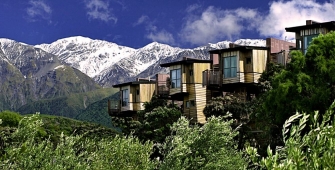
[{"x": 119, "y": 113}]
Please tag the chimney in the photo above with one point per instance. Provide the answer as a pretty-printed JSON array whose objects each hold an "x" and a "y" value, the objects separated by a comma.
[{"x": 310, "y": 22}]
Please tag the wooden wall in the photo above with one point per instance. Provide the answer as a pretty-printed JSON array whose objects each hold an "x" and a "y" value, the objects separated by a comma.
[
  {"x": 198, "y": 68},
  {"x": 259, "y": 60},
  {"x": 146, "y": 93}
]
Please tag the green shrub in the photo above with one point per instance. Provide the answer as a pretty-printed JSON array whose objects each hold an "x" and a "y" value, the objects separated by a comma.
[
  {"x": 303, "y": 149},
  {"x": 10, "y": 118},
  {"x": 208, "y": 147}
]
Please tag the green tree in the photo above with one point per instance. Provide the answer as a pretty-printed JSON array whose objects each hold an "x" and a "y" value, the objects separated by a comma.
[
  {"x": 301, "y": 150},
  {"x": 10, "y": 119},
  {"x": 305, "y": 85},
  {"x": 73, "y": 152},
  {"x": 155, "y": 125},
  {"x": 211, "y": 146}
]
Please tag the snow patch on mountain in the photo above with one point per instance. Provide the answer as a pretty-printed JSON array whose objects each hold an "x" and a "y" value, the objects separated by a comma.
[{"x": 89, "y": 56}]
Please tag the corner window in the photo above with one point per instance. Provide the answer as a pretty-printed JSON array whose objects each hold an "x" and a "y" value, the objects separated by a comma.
[
  {"x": 307, "y": 40},
  {"x": 175, "y": 78},
  {"x": 125, "y": 96},
  {"x": 230, "y": 67}
]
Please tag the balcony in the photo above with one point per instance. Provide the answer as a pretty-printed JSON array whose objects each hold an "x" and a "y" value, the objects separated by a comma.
[
  {"x": 162, "y": 88},
  {"x": 114, "y": 108},
  {"x": 162, "y": 85},
  {"x": 216, "y": 78}
]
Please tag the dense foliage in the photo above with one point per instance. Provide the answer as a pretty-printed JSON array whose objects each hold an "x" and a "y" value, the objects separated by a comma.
[
  {"x": 301, "y": 150},
  {"x": 306, "y": 84},
  {"x": 153, "y": 123},
  {"x": 211, "y": 146},
  {"x": 189, "y": 147},
  {"x": 73, "y": 152}
]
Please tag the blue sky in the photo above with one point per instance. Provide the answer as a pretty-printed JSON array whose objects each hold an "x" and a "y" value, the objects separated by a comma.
[{"x": 135, "y": 23}]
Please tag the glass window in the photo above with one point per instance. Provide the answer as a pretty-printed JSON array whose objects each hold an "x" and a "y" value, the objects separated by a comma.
[
  {"x": 125, "y": 96},
  {"x": 307, "y": 40},
  {"x": 230, "y": 67},
  {"x": 175, "y": 78}
]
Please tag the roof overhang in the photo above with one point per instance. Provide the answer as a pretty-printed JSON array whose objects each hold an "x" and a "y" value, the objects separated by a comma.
[
  {"x": 184, "y": 62},
  {"x": 330, "y": 25},
  {"x": 238, "y": 48}
]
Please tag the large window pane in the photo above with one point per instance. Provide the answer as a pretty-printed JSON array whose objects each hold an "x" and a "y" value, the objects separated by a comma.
[
  {"x": 173, "y": 74},
  {"x": 178, "y": 74},
  {"x": 178, "y": 83},
  {"x": 307, "y": 40},
  {"x": 125, "y": 96},
  {"x": 175, "y": 78},
  {"x": 233, "y": 72},
  {"x": 227, "y": 72},
  {"x": 226, "y": 62},
  {"x": 230, "y": 66}
]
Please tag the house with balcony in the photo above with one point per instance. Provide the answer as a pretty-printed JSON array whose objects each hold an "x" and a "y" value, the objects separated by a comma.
[
  {"x": 235, "y": 70},
  {"x": 279, "y": 50},
  {"x": 305, "y": 33},
  {"x": 184, "y": 84},
  {"x": 132, "y": 97}
]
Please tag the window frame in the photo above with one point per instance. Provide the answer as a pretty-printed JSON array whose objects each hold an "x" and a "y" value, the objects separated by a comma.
[
  {"x": 230, "y": 71},
  {"x": 176, "y": 79},
  {"x": 307, "y": 40},
  {"x": 124, "y": 97}
]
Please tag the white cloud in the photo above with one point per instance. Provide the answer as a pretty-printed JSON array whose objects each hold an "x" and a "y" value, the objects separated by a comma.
[
  {"x": 99, "y": 9},
  {"x": 141, "y": 20},
  {"x": 161, "y": 36},
  {"x": 38, "y": 9},
  {"x": 215, "y": 24},
  {"x": 284, "y": 14}
]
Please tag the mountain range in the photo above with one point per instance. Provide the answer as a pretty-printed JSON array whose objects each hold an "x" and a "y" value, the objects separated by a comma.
[
  {"x": 108, "y": 63},
  {"x": 67, "y": 76}
]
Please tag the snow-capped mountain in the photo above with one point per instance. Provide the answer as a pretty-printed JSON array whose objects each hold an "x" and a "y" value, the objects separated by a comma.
[
  {"x": 89, "y": 56},
  {"x": 108, "y": 63},
  {"x": 30, "y": 74}
]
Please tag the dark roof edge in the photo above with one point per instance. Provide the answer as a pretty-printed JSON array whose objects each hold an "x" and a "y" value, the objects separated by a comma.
[
  {"x": 315, "y": 25},
  {"x": 240, "y": 48},
  {"x": 135, "y": 82},
  {"x": 188, "y": 61}
]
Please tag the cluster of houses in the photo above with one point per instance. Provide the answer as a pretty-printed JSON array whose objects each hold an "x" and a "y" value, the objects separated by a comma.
[{"x": 193, "y": 82}]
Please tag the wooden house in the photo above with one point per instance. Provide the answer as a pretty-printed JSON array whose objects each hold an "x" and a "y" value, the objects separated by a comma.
[
  {"x": 132, "y": 97},
  {"x": 305, "y": 33},
  {"x": 184, "y": 83},
  {"x": 236, "y": 69},
  {"x": 279, "y": 50}
]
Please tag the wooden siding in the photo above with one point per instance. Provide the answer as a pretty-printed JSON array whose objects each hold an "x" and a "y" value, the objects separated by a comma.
[
  {"x": 190, "y": 112},
  {"x": 197, "y": 93},
  {"x": 259, "y": 60},
  {"x": 146, "y": 93},
  {"x": 200, "y": 102},
  {"x": 198, "y": 68}
]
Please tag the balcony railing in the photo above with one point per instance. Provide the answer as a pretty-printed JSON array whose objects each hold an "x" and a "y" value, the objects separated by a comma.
[
  {"x": 215, "y": 77},
  {"x": 163, "y": 88},
  {"x": 114, "y": 107}
]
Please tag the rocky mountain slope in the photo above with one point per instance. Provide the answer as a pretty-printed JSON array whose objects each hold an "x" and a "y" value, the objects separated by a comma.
[
  {"x": 108, "y": 63},
  {"x": 29, "y": 74}
]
